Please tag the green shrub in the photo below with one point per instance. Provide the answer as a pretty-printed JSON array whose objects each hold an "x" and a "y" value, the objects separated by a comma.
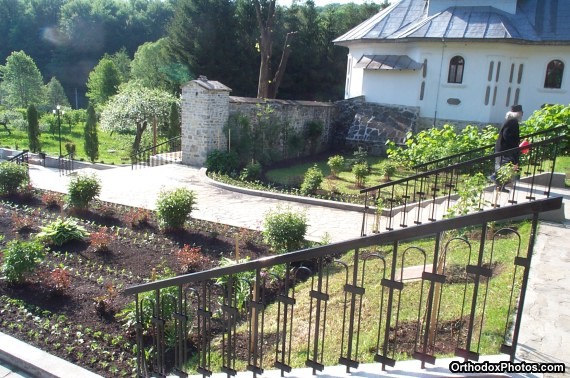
[
  {"x": 61, "y": 231},
  {"x": 251, "y": 172},
  {"x": 81, "y": 190},
  {"x": 360, "y": 171},
  {"x": 174, "y": 207},
  {"x": 387, "y": 169},
  {"x": 312, "y": 180},
  {"x": 222, "y": 162},
  {"x": 435, "y": 143},
  {"x": 285, "y": 230},
  {"x": 21, "y": 257},
  {"x": 147, "y": 301},
  {"x": 12, "y": 177},
  {"x": 313, "y": 131},
  {"x": 336, "y": 164}
]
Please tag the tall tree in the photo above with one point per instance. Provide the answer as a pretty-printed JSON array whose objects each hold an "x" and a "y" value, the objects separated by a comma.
[
  {"x": 134, "y": 108},
  {"x": 56, "y": 94},
  {"x": 103, "y": 82},
  {"x": 203, "y": 36},
  {"x": 267, "y": 87},
  {"x": 33, "y": 129},
  {"x": 91, "y": 137},
  {"x": 154, "y": 68},
  {"x": 174, "y": 121},
  {"x": 22, "y": 82}
]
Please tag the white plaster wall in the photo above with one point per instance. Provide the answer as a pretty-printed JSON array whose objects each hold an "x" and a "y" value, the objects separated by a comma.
[{"x": 403, "y": 88}]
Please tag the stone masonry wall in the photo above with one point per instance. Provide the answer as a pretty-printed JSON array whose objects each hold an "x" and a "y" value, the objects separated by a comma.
[
  {"x": 370, "y": 125},
  {"x": 206, "y": 106},
  {"x": 204, "y": 112},
  {"x": 427, "y": 123},
  {"x": 295, "y": 113}
]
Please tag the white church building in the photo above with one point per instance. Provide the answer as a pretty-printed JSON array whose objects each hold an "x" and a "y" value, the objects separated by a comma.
[{"x": 462, "y": 60}]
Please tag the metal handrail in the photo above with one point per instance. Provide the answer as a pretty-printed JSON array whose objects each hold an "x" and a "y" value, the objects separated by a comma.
[
  {"x": 145, "y": 153},
  {"x": 65, "y": 163},
  {"x": 419, "y": 231},
  {"x": 464, "y": 164},
  {"x": 196, "y": 299},
  {"x": 417, "y": 167},
  {"x": 20, "y": 158}
]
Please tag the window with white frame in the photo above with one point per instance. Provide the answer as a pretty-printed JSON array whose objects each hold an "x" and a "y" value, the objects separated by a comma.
[
  {"x": 456, "y": 66},
  {"x": 554, "y": 72}
]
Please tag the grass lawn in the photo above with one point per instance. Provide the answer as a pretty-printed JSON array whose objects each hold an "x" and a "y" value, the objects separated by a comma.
[
  {"x": 344, "y": 183},
  {"x": 456, "y": 299},
  {"x": 113, "y": 149}
]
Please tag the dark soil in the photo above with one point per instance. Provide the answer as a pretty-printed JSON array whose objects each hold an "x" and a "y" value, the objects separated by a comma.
[{"x": 75, "y": 317}]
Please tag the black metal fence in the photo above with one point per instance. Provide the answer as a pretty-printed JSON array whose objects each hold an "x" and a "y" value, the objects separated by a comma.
[
  {"x": 185, "y": 314},
  {"x": 65, "y": 164},
  {"x": 20, "y": 158},
  {"x": 163, "y": 153},
  {"x": 434, "y": 195},
  {"x": 486, "y": 150}
]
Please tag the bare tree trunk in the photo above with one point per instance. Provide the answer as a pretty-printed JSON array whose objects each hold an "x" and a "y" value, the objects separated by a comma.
[
  {"x": 141, "y": 127},
  {"x": 267, "y": 87},
  {"x": 274, "y": 86}
]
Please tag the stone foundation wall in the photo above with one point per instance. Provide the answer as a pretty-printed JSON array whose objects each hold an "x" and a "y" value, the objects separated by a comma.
[{"x": 371, "y": 125}]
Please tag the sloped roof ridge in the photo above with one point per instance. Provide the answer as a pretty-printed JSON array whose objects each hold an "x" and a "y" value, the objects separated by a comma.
[{"x": 367, "y": 25}]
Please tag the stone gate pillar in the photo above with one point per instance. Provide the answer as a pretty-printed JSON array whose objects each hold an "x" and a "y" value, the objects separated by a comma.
[{"x": 205, "y": 110}]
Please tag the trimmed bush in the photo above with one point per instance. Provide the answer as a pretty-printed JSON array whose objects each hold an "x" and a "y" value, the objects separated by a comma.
[
  {"x": 387, "y": 169},
  {"x": 312, "y": 181},
  {"x": 222, "y": 162},
  {"x": 12, "y": 177},
  {"x": 336, "y": 164},
  {"x": 285, "y": 230},
  {"x": 360, "y": 171},
  {"x": 21, "y": 257},
  {"x": 251, "y": 172},
  {"x": 82, "y": 189},
  {"x": 174, "y": 207}
]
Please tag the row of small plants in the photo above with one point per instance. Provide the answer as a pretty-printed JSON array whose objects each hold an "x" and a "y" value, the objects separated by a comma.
[
  {"x": 21, "y": 258},
  {"x": 104, "y": 351},
  {"x": 313, "y": 179}
]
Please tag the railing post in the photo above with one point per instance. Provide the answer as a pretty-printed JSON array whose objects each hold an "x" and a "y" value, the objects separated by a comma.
[{"x": 511, "y": 350}]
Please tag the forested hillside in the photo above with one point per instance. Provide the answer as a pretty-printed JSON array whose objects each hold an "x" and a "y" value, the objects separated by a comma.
[{"x": 218, "y": 38}]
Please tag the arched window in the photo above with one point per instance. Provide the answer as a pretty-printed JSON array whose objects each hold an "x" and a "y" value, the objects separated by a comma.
[
  {"x": 554, "y": 72},
  {"x": 456, "y": 65}
]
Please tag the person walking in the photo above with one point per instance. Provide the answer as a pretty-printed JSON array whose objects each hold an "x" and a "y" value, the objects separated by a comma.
[{"x": 508, "y": 139}]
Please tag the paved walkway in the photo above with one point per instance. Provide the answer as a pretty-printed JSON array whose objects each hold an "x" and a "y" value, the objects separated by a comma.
[
  {"x": 546, "y": 321},
  {"x": 141, "y": 188}
]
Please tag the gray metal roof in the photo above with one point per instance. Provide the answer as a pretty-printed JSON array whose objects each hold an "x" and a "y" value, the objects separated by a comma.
[
  {"x": 387, "y": 62},
  {"x": 535, "y": 21}
]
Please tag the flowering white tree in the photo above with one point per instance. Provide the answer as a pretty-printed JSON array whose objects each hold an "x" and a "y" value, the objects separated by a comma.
[{"x": 133, "y": 108}]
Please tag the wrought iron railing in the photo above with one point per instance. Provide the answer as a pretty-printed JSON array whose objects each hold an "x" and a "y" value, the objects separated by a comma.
[
  {"x": 166, "y": 152},
  {"x": 485, "y": 150},
  {"x": 193, "y": 307},
  {"x": 20, "y": 158},
  {"x": 65, "y": 164},
  {"x": 431, "y": 196}
]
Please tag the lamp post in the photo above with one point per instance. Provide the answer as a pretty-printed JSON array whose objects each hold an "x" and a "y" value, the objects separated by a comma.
[{"x": 59, "y": 112}]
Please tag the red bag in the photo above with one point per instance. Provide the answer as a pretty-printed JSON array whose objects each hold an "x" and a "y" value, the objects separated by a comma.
[{"x": 524, "y": 143}]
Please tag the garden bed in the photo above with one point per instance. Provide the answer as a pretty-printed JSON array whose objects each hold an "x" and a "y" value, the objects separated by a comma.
[{"x": 77, "y": 321}]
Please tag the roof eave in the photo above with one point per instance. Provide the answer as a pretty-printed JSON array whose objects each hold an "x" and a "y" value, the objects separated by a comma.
[{"x": 514, "y": 41}]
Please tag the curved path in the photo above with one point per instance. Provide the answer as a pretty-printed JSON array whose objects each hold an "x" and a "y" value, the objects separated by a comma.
[{"x": 141, "y": 188}]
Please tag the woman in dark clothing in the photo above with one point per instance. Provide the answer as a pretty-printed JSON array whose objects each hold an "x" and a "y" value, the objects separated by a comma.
[{"x": 509, "y": 138}]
